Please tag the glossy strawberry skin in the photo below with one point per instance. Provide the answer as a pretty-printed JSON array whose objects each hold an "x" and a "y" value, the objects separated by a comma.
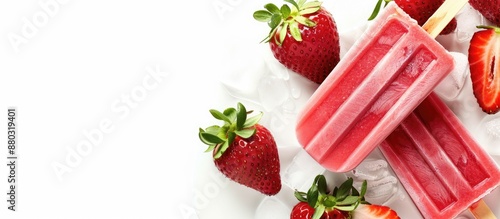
[
  {"x": 317, "y": 54},
  {"x": 484, "y": 60},
  {"x": 422, "y": 10},
  {"x": 253, "y": 162},
  {"x": 490, "y": 9},
  {"x": 365, "y": 211},
  {"x": 303, "y": 210}
]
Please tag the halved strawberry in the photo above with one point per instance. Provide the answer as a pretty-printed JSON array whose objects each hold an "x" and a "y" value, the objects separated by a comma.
[
  {"x": 365, "y": 211},
  {"x": 244, "y": 150},
  {"x": 484, "y": 60}
]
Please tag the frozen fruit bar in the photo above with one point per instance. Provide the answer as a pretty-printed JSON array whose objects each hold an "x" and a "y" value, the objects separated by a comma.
[
  {"x": 440, "y": 165},
  {"x": 380, "y": 81}
]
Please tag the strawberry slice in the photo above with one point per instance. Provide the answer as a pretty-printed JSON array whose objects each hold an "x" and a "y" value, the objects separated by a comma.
[
  {"x": 374, "y": 211},
  {"x": 484, "y": 60}
]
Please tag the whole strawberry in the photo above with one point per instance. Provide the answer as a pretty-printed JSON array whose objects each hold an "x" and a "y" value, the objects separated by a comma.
[
  {"x": 320, "y": 204},
  {"x": 420, "y": 10},
  {"x": 484, "y": 61},
  {"x": 244, "y": 150},
  {"x": 343, "y": 202},
  {"x": 490, "y": 9},
  {"x": 303, "y": 37}
]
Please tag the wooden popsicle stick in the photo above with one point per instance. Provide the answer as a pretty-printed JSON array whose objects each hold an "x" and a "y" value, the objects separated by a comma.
[
  {"x": 481, "y": 211},
  {"x": 443, "y": 15}
]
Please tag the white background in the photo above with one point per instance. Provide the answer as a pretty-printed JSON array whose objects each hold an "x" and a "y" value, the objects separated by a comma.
[{"x": 69, "y": 68}]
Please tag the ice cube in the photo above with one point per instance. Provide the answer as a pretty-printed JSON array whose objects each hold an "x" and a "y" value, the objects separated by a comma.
[
  {"x": 467, "y": 20},
  {"x": 277, "y": 206},
  {"x": 380, "y": 191},
  {"x": 370, "y": 169},
  {"x": 382, "y": 185},
  {"x": 273, "y": 92},
  {"x": 452, "y": 85},
  {"x": 271, "y": 208},
  {"x": 301, "y": 171},
  {"x": 465, "y": 106},
  {"x": 242, "y": 75},
  {"x": 487, "y": 134}
]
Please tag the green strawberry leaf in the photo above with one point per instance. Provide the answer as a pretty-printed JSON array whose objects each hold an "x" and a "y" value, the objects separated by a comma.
[
  {"x": 275, "y": 21},
  {"x": 230, "y": 113},
  {"x": 301, "y": 196},
  {"x": 214, "y": 130},
  {"x": 354, "y": 191},
  {"x": 295, "y": 31},
  {"x": 364, "y": 187},
  {"x": 210, "y": 138},
  {"x": 318, "y": 212},
  {"x": 210, "y": 148},
  {"x": 309, "y": 11},
  {"x": 349, "y": 200},
  {"x": 203, "y": 139},
  {"x": 305, "y": 21},
  {"x": 245, "y": 133},
  {"x": 285, "y": 11},
  {"x": 262, "y": 15},
  {"x": 330, "y": 201},
  {"x": 252, "y": 120},
  {"x": 241, "y": 116},
  {"x": 312, "y": 4},
  {"x": 272, "y": 8},
  {"x": 218, "y": 115},
  {"x": 335, "y": 191},
  {"x": 230, "y": 138},
  {"x": 312, "y": 195},
  {"x": 220, "y": 150},
  {"x": 293, "y": 3},
  {"x": 321, "y": 182},
  {"x": 283, "y": 33},
  {"x": 301, "y": 3},
  {"x": 269, "y": 36},
  {"x": 344, "y": 189},
  {"x": 347, "y": 208}
]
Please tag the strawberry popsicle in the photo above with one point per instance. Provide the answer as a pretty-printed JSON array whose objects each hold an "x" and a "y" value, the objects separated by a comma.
[
  {"x": 440, "y": 165},
  {"x": 380, "y": 81}
]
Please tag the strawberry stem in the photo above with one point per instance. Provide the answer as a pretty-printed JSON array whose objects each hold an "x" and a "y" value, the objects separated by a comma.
[
  {"x": 284, "y": 19},
  {"x": 236, "y": 123},
  {"x": 344, "y": 198}
]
